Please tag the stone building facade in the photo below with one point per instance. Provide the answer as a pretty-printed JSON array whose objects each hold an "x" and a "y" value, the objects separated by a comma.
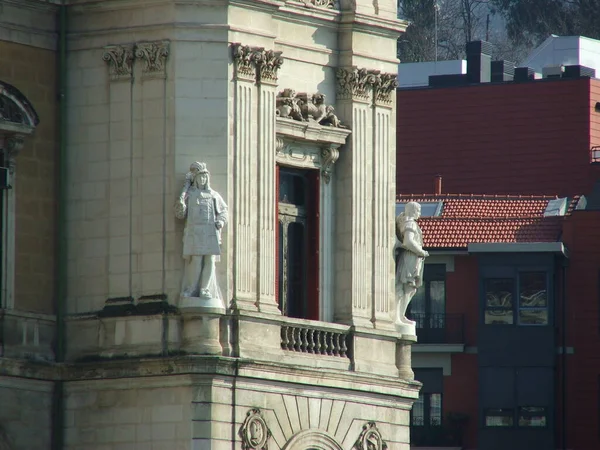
[{"x": 115, "y": 100}]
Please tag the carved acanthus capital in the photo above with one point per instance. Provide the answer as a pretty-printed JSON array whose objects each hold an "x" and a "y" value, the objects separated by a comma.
[
  {"x": 154, "y": 55},
  {"x": 255, "y": 433},
  {"x": 329, "y": 155},
  {"x": 12, "y": 146},
  {"x": 355, "y": 83},
  {"x": 385, "y": 86},
  {"x": 244, "y": 59},
  {"x": 120, "y": 61},
  {"x": 268, "y": 63},
  {"x": 370, "y": 438}
]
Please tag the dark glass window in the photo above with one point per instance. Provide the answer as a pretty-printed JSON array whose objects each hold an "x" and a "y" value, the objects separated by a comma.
[
  {"x": 499, "y": 301},
  {"x": 533, "y": 298},
  {"x": 297, "y": 243},
  {"x": 427, "y": 410},
  {"x": 499, "y": 417},
  {"x": 533, "y": 416},
  {"x": 428, "y": 306}
]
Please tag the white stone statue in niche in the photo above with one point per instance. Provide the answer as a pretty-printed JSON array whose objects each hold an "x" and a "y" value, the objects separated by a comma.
[
  {"x": 410, "y": 258},
  {"x": 206, "y": 215}
]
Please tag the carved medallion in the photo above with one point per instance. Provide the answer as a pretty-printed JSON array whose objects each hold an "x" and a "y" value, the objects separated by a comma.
[
  {"x": 370, "y": 438},
  {"x": 254, "y": 431},
  {"x": 120, "y": 61},
  {"x": 321, "y": 3},
  {"x": 154, "y": 55}
]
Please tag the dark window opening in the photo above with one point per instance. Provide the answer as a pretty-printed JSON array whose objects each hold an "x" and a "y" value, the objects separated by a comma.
[
  {"x": 533, "y": 416},
  {"x": 499, "y": 301},
  {"x": 428, "y": 306},
  {"x": 499, "y": 417},
  {"x": 297, "y": 236},
  {"x": 533, "y": 298},
  {"x": 427, "y": 411}
]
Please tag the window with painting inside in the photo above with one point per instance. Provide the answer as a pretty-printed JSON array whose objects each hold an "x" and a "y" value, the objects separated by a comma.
[
  {"x": 520, "y": 300},
  {"x": 298, "y": 242}
]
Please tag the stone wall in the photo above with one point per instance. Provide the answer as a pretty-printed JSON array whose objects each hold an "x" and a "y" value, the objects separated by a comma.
[
  {"x": 33, "y": 71},
  {"x": 25, "y": 413}
]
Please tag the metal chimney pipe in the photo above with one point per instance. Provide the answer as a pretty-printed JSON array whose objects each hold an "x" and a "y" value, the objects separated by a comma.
[{"x": 437, "y": 185}]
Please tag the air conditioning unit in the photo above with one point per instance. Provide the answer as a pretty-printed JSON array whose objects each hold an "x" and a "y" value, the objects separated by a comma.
[{"x": 553, "y": 71}]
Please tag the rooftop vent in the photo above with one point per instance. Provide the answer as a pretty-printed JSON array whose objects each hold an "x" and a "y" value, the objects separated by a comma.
[
  {"x": 503, "y": 71},
  {"x": 524, "y": 74},
  {"x": 577, "y": 71},
  {"x": 553, "y": 71},
  {"x": 479, "y": 59}
]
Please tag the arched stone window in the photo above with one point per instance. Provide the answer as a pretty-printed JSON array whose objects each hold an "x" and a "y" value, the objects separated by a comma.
[
  {"x": 312, "y": 440},
  {"x": 18, "y": 120}
]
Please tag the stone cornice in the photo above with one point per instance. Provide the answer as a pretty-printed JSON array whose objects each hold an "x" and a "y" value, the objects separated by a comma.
[{"x": 374, "y": 25}]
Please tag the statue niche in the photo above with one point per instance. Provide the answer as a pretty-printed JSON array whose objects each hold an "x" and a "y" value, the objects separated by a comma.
[{"x": 305, "y": 107}]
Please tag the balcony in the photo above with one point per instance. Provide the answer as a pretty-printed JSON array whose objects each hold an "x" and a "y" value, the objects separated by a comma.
[{"x": 439, "y": 328}]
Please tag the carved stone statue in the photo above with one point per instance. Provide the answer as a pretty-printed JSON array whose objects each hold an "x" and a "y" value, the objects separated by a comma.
[
  {"x": 410, "y": 258},
  {"x": 305, "y": 107},
  {"x": 206, "y": 215}
]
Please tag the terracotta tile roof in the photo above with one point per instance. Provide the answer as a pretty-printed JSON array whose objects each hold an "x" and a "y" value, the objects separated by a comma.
[
  {"x": 440, "y": 232},
  {"x": 487, "y": 219},
  {"x": 488, "y": 206}
]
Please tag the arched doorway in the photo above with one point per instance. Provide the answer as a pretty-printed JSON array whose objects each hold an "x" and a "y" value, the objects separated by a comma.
[{"x": 312, "y": 440}]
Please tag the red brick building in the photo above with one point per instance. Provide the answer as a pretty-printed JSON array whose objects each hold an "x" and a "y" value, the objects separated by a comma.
[{"x": 507, "y": 385}]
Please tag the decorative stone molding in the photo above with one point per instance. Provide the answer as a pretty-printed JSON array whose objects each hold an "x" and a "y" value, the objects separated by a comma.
[
  {"x": 321, "y": 3},
  {"x": 15, "y": 109},
  {"x": 355, "y": 83},
  {"x": 120, "y": 61},
  {"x": 154, "y": 55},
  {"x": 268, "y": 63},
  {"x": 12, "y": 146},
  {"x": 305, "y": 107},
  {"x": 385, "y": 85},
  {"x": 256, "y": 63},
  {"x": 329, "y": 156},
  {"x": 370, "y": 438},
  {"x": 255, "y": 433}
]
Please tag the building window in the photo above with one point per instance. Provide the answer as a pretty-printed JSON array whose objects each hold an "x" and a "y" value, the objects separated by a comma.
[
  {"x": 531, "y": 307},
  {"x": 427, "y": 411},
  {"x": 533, "y": 416},
  {"x": 533, "y": 298},
  {"x": 499, "y": 301},
  {"x": 499, "y": 417},
  {"x": 428, "y": 306},
  {"x": 298, "y": 237}
]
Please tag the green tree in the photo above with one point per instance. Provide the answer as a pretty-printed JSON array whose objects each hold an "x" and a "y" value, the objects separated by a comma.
[
  {"x": 417, "y": 44},
  {"x": 528, "y": 23}
]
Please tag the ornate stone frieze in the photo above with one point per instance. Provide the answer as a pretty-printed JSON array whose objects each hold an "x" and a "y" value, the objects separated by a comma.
[
  {"x": 255, "y": 433},
  {"x": 256, "y": 63},
  {"x": 120, "y": 61},
  {"x": 306, "y": 107},
  {"x": 154, "y": 56},
  {"x": 329, "y": 156},
  {"x": 12, "y": 146},
  {"x": 370, "y": 438},
  {"x": 355, "y": 83},
  {"x": 385, "y": 85},
  {"x": 321, "y": 3}
]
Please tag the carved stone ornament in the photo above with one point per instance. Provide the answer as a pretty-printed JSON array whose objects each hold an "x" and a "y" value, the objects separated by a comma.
[
  {"x": 154, "y": 55},
  {"x": 385, "y": 85},
  {"x": 268, "y": 63},
  {"x": 12, "y": 146},
  {"x": 120, "y": 61},
  {"x": 321, "y": 3},
  {"x": 256, "y": 63},
  {"x": 305, "y": 107},
  {"x": 355, "y": 83},
  {"x": 328, "y": 158},
  {"x": 370, "y": 438},
  {"x": 255, "y": 433}
]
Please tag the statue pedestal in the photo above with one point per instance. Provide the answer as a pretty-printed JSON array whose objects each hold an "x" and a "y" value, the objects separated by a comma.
[
  {"x": 403, "y": 357},
  {"x": 406, "y": 329},
  {"x": 201, "y": 325}
]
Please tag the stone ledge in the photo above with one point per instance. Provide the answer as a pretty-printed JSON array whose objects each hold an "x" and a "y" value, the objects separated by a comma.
[{"x": 289, "y": 129}]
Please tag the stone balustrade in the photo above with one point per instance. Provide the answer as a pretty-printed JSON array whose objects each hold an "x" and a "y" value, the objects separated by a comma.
[{"x": 316, "y": 338}]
